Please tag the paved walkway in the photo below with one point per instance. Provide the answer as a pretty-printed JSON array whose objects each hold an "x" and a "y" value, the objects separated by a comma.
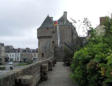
[{"x": 60, "y": 76}]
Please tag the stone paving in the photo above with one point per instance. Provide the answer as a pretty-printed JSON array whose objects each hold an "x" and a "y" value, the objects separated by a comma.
[{"x": 60, "y": 76}]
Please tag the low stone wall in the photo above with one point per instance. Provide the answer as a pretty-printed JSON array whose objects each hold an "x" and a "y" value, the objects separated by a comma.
[{"x": 24, "y": 75}]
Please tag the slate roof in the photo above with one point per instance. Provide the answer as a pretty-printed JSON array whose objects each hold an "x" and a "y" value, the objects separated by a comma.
[{"x": 48, "y": 22}]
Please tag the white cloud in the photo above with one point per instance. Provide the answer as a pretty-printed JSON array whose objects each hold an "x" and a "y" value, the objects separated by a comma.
[{"x": 19, "y": 19}]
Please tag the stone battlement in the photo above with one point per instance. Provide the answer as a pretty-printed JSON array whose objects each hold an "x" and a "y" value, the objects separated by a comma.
[{"x": 24, "y": 75}]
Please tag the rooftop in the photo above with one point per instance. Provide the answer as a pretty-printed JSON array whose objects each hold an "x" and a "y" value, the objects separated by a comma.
[{"x": 48, "y": 22}]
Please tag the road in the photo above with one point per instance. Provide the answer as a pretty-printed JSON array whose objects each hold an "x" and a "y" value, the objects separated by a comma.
[{"x": 2, "y": 72}]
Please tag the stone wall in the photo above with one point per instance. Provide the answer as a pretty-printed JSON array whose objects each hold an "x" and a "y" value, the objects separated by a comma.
[
  {"x": 46, "y": 32},
  {"x": 100, "y": 30},
  {"x": 44, "y": 42},
  {"x": 29, "y": 74}
]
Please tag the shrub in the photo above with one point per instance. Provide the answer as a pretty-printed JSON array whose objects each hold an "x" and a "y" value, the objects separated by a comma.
[{"x": 92, "y": 65}]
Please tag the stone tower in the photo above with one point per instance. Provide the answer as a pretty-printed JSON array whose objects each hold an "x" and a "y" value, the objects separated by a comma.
[
  {"x": 44, "y": 34},
  {"x": 48, "y": 37}
]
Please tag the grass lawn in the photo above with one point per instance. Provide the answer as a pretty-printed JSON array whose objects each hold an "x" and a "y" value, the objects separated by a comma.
[{"x": 22, "y": 64}]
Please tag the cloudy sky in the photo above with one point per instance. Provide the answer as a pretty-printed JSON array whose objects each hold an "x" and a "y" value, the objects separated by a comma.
[{"x": 19, "y": 19}]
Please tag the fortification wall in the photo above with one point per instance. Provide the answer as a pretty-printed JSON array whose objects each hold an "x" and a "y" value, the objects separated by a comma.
[
  {"x": 44, "y": 32},
  {"x": 29, "y": 74}
]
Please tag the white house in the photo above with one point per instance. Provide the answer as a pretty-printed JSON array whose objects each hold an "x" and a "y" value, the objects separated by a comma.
[
  {"x": 14, "y": 55},
  {"x": 17, "y": 55}
]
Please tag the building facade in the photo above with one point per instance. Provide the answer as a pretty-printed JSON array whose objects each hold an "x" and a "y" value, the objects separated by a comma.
[
  {"x": 14, "y": 55},
  {"x": 100, "y": 29},
  {"x": 20, "y": 55},
  {"x": 2, "y": 54}
]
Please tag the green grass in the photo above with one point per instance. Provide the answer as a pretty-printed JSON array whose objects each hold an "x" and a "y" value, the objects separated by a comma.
[
  {"x": 2, "y": 67},
  {"x": 22, "y": 64}
]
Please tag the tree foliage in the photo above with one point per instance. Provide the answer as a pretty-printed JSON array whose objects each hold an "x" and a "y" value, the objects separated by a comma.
[{"x": 92, "y": 65}]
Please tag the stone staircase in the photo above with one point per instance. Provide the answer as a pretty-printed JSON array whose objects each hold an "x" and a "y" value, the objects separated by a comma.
[{"x": 59, "y": 54}]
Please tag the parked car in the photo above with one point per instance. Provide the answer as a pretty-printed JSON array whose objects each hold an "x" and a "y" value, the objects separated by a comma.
[{"x": 10, "y": 63}]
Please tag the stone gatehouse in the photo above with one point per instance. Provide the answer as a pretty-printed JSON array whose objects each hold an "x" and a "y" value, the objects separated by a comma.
[{"x": 52, "y": 38}]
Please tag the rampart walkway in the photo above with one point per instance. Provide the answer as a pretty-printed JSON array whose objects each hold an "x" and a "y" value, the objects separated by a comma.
[{"x": 60, "y": 76}]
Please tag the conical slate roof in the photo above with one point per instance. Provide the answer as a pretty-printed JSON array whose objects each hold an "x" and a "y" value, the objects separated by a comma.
[{"x": 48, "y": 22}]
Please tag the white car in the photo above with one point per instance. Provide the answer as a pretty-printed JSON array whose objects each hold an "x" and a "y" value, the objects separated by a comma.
[{"x": 10, "y": 63}]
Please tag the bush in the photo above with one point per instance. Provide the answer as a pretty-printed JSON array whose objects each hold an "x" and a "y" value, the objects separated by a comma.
[{"x": 92, "y": 65}]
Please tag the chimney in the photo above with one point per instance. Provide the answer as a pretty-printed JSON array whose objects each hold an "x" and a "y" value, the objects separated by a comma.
[
  {"x": 102, "y": 20},
  {"x": 65, "y": 15}
]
